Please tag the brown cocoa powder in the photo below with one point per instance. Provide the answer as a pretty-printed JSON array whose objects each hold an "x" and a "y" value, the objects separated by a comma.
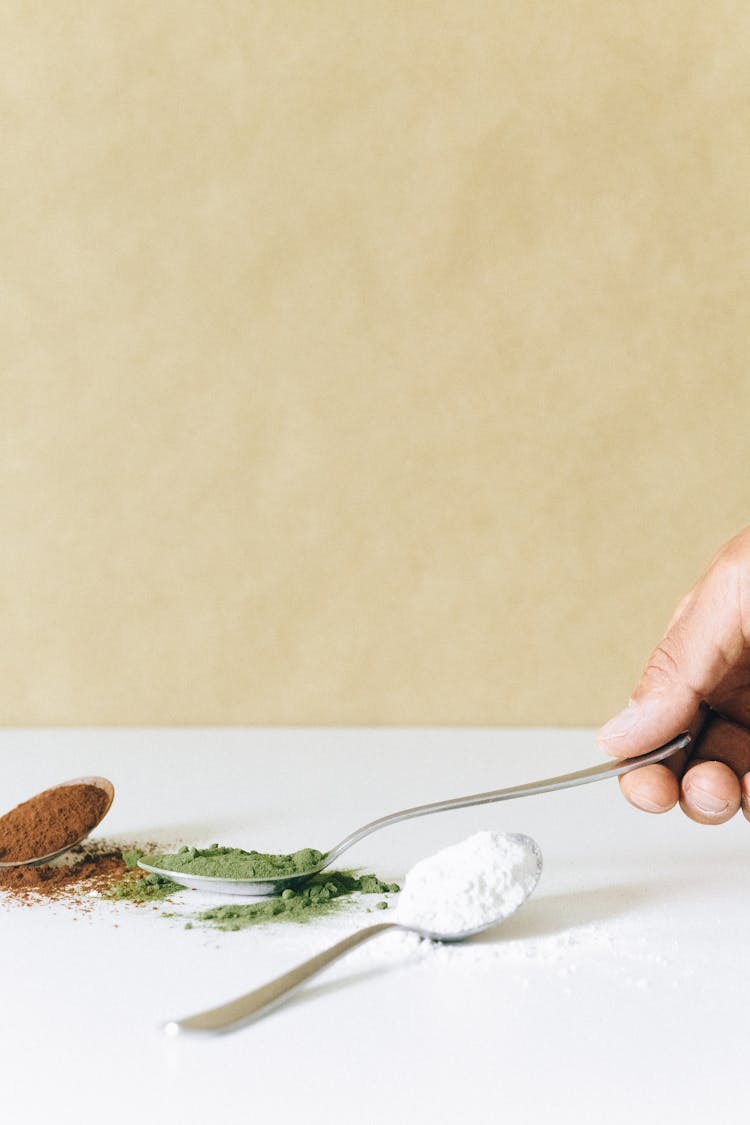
[{"x": 51, "y": 821}]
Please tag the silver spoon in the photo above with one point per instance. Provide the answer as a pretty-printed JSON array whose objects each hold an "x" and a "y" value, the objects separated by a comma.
[
  {"x": 100, "y": 783},
  {"x": 266, "y": 886},
  {"x": 254, "y": 1004}
]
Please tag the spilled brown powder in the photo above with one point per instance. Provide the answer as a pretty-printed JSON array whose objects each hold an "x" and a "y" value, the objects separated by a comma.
[
  {"x": 97, "y": 871},
  {"x": 51, "y": 821}
]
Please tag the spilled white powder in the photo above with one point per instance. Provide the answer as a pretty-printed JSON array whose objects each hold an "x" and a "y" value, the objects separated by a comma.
[{"x": 469, "y": 885}]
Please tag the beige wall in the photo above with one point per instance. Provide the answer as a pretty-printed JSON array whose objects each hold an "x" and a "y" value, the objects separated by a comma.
[{"x": 364, "y": 362}]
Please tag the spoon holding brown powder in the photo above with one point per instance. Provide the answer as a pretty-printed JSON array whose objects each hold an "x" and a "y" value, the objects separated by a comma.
[{"x": 47, "y": 825}]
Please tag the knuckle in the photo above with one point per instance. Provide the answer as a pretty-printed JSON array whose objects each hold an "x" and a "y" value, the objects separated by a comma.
[{"x": 662, "y": 665}]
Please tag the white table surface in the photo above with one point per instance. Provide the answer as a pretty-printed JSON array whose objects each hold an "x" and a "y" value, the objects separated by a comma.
[{"x": 619, "y": 993}]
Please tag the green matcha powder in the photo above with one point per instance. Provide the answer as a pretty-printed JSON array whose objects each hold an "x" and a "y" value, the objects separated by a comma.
[
  {"x": 322, "y": 894},
  {"x": 234, "y": 863}
]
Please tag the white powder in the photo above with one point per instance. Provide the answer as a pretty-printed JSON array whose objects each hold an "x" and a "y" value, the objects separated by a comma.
[{"x": 479, "y": 881}]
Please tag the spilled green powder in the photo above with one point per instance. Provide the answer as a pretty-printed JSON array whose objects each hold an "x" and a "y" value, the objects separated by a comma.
[
  {"x": 234, "y": 863},
  {"x": 323, "y": 894},
  {"x": 138, "y": 886},
  {"x": 147, "y": 888}
]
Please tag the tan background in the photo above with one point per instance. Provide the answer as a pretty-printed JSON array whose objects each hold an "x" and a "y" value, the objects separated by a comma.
[{"x": 364, "y": 362}]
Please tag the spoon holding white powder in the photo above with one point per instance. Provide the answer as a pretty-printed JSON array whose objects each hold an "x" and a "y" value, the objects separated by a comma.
[
  {"x": 452, "y": 895},
  {"x": 467, "y": 887}
]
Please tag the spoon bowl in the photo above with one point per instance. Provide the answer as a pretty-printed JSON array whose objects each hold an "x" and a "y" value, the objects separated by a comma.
[
  {"x": 254, "y": 1004},
  {"x": 100, "y": 783},
  {"x": 217, "y": 884}
]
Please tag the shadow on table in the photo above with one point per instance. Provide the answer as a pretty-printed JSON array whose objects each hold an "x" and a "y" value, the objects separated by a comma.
[
  {"x": 553, "y": 914},
  {"x": 188, "y": 832},
  {"x": 541, "y": 917},
  {"x": 313, "y": 991}
]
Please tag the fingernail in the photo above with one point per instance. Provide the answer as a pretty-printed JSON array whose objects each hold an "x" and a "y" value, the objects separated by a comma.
[
  {"x": 706, "y": 802},
  {"x": 621, "y": 725}
]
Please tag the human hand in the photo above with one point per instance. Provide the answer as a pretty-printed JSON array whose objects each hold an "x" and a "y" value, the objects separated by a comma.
[{"x": 704, "y": 658}]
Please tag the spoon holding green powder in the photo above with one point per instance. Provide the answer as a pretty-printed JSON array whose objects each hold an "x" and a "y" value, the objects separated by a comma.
[
  {"x": 218, "y": 862},
  {"x": 300, "y": 902},
  {"x": 257, "y": 873}
]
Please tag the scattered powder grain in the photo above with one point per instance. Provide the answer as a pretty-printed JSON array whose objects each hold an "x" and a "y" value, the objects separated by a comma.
[
  {"x": 96, "y": 871},
  {"x": 325, "y": 893},
  {"x": 137, "y": 885},
  {"x": 100, "y": 870}
]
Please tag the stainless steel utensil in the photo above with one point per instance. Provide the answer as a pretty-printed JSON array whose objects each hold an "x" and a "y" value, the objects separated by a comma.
[
  {"x": 267, "y": 886},
  {"x": 254, "y": 1004}
]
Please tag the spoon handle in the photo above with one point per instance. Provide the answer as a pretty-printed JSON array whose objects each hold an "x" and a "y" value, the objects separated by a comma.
[
  {"x": 612, "y": 768},
  {"x": 253, "y": 1004}
]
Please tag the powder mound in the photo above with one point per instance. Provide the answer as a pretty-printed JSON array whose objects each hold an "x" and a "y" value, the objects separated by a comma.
[
  {"x": 51, "y": 821},
  {"x": 234, "y": 863},
  {"x": 482, "y": 879}
]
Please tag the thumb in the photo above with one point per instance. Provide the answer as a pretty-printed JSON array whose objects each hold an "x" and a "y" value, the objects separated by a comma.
[{"x": 703, "y": 642}]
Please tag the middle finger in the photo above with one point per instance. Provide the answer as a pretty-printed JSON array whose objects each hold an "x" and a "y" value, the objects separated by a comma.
[{"x": 710, "y": 787}]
